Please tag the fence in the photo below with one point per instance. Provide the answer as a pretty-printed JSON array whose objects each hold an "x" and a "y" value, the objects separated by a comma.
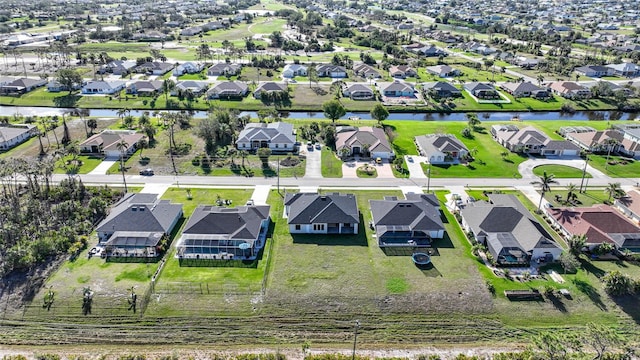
[{"x": 205, "y": 288}]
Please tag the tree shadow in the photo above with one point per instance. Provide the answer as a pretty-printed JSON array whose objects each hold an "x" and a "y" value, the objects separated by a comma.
[
  {"x": 557, "y": 303},
  {"x": 588, "y": 289},
  {"x": 67, "y": 101},
  {"x": 589, "y": 267},
  {"x": 629, "y": 304}
]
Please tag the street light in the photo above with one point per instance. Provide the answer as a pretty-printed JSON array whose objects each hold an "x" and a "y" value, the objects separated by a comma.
[{"x": 355, "y": 338}]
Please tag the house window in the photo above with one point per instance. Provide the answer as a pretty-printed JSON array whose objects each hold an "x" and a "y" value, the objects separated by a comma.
[
  {"x": 286, "y": 146},
  {"x": 297, "y": 226},
  {"x": 318, "y": 227},
  {"x": 277, "y": 145}
]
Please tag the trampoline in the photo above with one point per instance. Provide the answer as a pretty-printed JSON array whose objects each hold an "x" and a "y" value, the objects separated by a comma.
[{"x": 421, "y": 258}]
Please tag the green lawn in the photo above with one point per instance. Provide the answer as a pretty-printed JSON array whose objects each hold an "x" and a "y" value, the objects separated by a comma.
[
  {"x": 201, "y": 196},
  {"x": 87, "y": 163},
  {"x": 331, "y": 165},
  {"x": 559, "y": 171},
  {"x": 110, "y": 282},
  {"x": 267, "y": 26},
  {"x": 619, "y": 167},
  {"x": 588, "y": 198},
  {"x": 487, "y": 163}
]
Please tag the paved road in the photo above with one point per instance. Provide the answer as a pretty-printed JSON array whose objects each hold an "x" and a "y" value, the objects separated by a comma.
[{"x": 219, "y": 181}]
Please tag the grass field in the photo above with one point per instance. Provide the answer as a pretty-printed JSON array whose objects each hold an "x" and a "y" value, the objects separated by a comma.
[
  {"x": 331, "y": 165},
  {"x": 559, "y": 171},
  {"x": 487, "y": 163}
]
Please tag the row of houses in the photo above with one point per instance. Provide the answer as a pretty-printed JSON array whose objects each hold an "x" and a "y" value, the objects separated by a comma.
[
  {"x": 597, "y": 71},
  {"x": 622, "y": 139},
  {"x": 139, "y": 223}
]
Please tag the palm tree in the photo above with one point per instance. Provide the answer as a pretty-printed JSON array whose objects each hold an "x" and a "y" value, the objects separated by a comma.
[
  {"x": 614, "y": 191},
  {"x": 611, "y": 144},
  {"x": 572, "y": 189},
  {"x": 243, "y": 154},
  {"x": 142, "y": 144},
  {"x": 122, "y": 146},
  {"x": 544, "y": 182}
]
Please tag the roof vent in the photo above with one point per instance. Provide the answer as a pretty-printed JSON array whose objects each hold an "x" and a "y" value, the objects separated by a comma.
[{"x": 323, "y": 198}]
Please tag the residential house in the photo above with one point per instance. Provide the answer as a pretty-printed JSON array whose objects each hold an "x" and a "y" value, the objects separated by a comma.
[
  {"x": 117, "y": 67},
  {"x": 410, "y": 222},
  {"x": 310, "y": 213},
  {"x": 600, "y": 224},
  {"x": 509, "y": 231},
  {"x": 106, "y": 143},
  {"x": 525, "y": 89},
  {"x": 149, "y": 36},
  {"x": 482, "y": 90},
  {"x": 441, "y": 89},
  {"x": 21, "y": 86},
  {"x": 527, "y": 63},
  {"x": 570, "y": 90},
  {"x": 145, "y": 88},
  {"x": 197, "y": 88},
  {"x": 597, "y": 141},
  {"x": 277, "y": 136},
  {"x": 332, "y": 71},
  {"x": 443, "y": 71},
  {"x": 188, "y": 68},
  {"x": 441, "y": 149},
  {"x": 399, "y": 89},
  {"x": 191, "y": 31},
  {"x": 292, "y": 70},
  {"x": 366, "y": 71},
  {"x": 358, "y": 92},
  {"x": 56, "y": 86},
  {"x": 136, "y": 225},
  {"x": 615, "y": 88},
  {"x": 630, "y": 145},
  {"x": 530, "y": 140},
  {"x": 103, "y": 87},
  {"x": 224, "y": 69},
  {"x": 594, "y": 71},
  {"x": 228, "y": 90},
  {"x": 629, "y": 205},
  {"x": 625, "y": 69},
  {"x": 402, "y": 71},
  {"x": 269, "y": 87},
  {"x": 14, "y": 134},
  {"x": 220, "y": 233},
  {"x": 154, "y": 68},
  {"x": 364, "y": 141}
]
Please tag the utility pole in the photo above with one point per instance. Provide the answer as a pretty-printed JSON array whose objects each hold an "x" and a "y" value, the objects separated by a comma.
[
  {"x": 428, "y": 177},
  {"x": 355, "y": 339},
  {"x": 584, "y": 171}
]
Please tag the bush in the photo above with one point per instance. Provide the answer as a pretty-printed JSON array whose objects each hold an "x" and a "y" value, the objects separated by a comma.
[{"x": 47, "y": 357}]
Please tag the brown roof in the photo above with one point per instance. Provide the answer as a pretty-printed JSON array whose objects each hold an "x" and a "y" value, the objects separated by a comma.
[
  {"x": 597, "y": 137},
  {"x": 598, "y": 223},
  {"x": 632, "y": 201}
]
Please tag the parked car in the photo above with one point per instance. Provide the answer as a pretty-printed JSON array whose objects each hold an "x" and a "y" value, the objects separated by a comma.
[
  {"x": 318, "y": 147},
  {"x": 146, "y": 172},
  {"x": 309, "y": 145},
  {"x": 410, "y": 159}
]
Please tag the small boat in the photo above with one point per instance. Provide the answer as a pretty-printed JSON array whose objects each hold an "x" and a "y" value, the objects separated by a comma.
[
  {"x": 354, "y": 118},
  {"x": 515, "y": 118}
]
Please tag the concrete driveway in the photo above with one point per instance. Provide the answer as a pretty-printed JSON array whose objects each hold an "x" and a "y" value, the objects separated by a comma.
[
  {"x": 526, "y": 167},
  {"x": 104, "y": 166},
  {"x": 415, "y": 167},
  {"x": 314, "y": 163},
  {"x": 384, "y": 170}
]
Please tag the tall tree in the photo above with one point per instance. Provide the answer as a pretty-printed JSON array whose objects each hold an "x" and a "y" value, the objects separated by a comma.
[
  {"x": 333, "y": 110},
  {"x": 380, "y": 113},
  {"x": 614, "y": 190},
  {"x": 69, "y": 78},
  {"x": 601, "y": 338},
  {"x": 545, "y": 181},
  {"x": 122, "y": 146}
]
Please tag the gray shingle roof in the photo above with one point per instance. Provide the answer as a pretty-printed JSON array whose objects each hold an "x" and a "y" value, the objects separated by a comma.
[
  {"x": 310, "y": 208},
  {"x": 280, "y": 132},
  {"x": 141, "y": 213},
  {"x": 240, "y": 223},
  {"x": 419, "y": 212}
]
